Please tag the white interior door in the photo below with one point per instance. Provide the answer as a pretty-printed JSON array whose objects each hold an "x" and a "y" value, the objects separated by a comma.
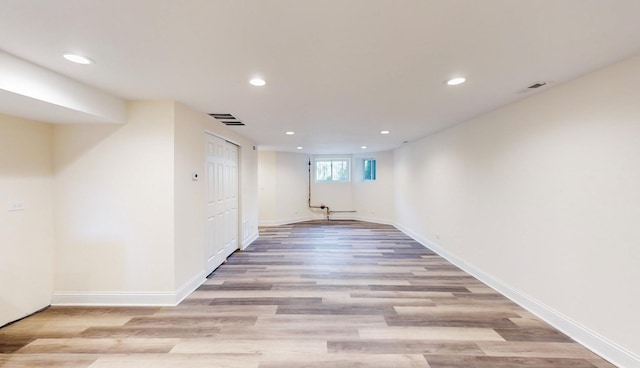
[{"x": 222, "y": 201}]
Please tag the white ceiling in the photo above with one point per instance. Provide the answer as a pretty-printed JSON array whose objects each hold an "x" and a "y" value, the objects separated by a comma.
[{"x": 337, "y": 71}]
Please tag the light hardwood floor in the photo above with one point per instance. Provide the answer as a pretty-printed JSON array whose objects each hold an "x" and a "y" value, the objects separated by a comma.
[{"x": 316, "y": 294}]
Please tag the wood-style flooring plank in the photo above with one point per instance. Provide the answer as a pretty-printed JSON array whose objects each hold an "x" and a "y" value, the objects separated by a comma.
[
  {"x": 250, "y": 346},
  {"x": 47, "y": 360},
  {"x": 536, "y": 349},
  {"x": 345, "y": 361},
  {"x": 388, "y": 346},
  {"x": 83, "y": 345},
  {"x": 450, "y": 361},
  {"x": 318, "y": 294}
]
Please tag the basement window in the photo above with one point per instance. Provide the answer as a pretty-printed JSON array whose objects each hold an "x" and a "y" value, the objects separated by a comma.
[
  {"x": 333, "y": 170},
  {"x": 369, "y": 169}
]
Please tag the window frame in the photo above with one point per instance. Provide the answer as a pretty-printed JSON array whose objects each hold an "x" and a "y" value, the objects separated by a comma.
[
  {"x": 373, "y": 171},
  {"x": 332, "y": 160}
]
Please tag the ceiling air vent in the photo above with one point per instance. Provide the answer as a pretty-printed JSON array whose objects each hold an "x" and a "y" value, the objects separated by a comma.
[
  {"x": 227, "y": 119},
  {"x": 537, "y": 85}
]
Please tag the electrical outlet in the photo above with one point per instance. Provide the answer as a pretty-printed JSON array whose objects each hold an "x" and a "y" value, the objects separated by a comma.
[{"x": 15, "y": 205}]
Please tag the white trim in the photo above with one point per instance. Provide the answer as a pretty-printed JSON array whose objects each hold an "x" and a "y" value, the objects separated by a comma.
[
  {"x": 218, "y": 135},
  {"x": 269, "y": 223},
  {"x": 250, "y": 239},
  {"x": 189, "y": 287},
  {"x": 113, "y": 298},
  {"x": 336, "y": 216},
  {"x": 143, "y": 298},
  {"x": 373, "y": 220},
  {"x": 593, "y": 341},
  {"x": 330, "y": 158}
]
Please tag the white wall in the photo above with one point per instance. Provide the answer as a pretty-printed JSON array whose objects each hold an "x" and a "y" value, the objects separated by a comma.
[
  {"x": 542, "y": 197},
  {"x": 114, "y": 208},
  {"x": 26, "y": 240},
  {"x": 337, "y": 195},
  {"x": 373, "y": 199},
  {"x": 190, "y": 196},
  {"x": 128, "y": 218},
  {"x": 284, "y": 184},
  {"x": 267, "y": 187}
]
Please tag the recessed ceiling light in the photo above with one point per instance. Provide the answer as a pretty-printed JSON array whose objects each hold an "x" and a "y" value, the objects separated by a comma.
[
  {"x": 364, "y": 147},
  {"x": 384, "y": 132},
  {"x": 78, "y": 59},
  {"x": 290, "y": 133},
  {"x": 456, "y": 81},
  {"x": 299, "y": 147},
  {"x": 258, "y": 82}
]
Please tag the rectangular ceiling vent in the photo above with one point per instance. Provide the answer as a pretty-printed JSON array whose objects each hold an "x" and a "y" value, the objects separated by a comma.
[
  {"x": 537, "y": 85},
  {"x": 227, "y": 119}
]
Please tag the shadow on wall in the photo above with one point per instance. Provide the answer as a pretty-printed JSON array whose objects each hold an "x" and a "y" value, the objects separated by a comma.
[
  {"x": 25, "y": 148},
  {"x": 92, "y": 135}
]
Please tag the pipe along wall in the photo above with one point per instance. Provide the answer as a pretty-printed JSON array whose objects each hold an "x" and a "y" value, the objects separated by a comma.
[{"x": 322, "y": 206}]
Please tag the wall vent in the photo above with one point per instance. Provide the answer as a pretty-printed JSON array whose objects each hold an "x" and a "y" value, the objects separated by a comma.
[
  {"x": 227, "y": 119},
  {"x": 537, "y": 85}
]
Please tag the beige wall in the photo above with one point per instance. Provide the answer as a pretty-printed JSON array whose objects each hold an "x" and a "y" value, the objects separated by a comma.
[
  {"x": 541, "y": 196},
  {"x": 128, "y": 218},
  {"x": 26, "y": 241},
  {"x": 131, "y": 220},
  {"x": 114, "y": 205},
  {"x": 190, "y": 196}
]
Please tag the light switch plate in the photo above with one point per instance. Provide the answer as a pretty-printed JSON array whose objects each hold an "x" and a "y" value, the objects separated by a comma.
[{"x": 15, "y": 205}]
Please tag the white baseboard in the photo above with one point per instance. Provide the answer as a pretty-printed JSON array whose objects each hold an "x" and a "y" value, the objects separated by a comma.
[
  {"x": 590, "y": 339},
  {"x": 110, "y": 298},
  {"x": 373, "y": 220},
  {"x": 336, "y": 217},
  {"x": 189, "y": 287},
  {"x": 292, "y": 220},
  {"x": 250, "y": 239}
]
